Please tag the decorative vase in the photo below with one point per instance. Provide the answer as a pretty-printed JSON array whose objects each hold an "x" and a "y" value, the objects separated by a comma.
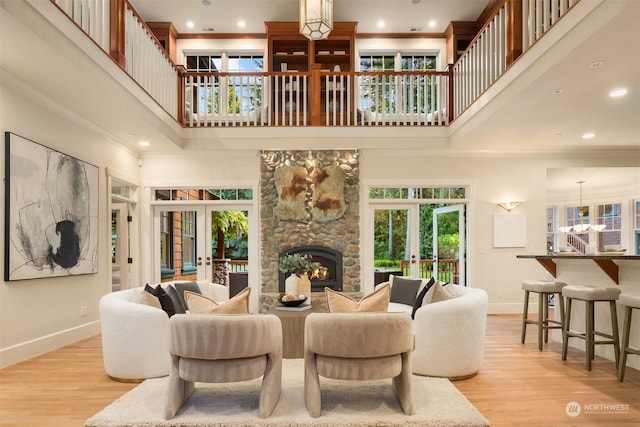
[
  {"x": 291, "y": 284},
  {"x": 304, "y": 287}
]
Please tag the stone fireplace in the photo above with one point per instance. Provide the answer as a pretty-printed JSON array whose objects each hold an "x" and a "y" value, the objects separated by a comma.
[
  {"x": 338, "y": 236},
  {"x": 329, "y": 274}
]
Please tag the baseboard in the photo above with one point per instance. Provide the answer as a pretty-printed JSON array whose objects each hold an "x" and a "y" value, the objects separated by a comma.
[
  {"x": 508, "y": 308},
  {"x": 28, "y": 349}
]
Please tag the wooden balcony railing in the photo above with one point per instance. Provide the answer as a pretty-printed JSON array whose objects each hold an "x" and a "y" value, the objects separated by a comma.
[
  {"x": 411, "y": 98},
  {"x": 316, "y": 98}
]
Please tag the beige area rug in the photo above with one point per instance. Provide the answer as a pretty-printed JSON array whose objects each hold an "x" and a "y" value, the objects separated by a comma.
[{"x": 344, "y": 403}]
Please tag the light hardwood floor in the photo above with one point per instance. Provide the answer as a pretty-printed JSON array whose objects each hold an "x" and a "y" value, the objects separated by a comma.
[{"x": 517, "y": 385}]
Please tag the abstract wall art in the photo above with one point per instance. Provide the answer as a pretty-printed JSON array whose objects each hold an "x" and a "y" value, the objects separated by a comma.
[{"x": 51, "y": 212}]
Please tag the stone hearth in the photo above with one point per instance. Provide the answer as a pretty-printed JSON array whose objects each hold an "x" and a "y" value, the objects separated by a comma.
[{"x": 279, "y": 236}]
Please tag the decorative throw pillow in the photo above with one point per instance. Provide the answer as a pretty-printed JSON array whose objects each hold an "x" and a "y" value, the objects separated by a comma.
[
  {"x": 165, "y": 300},
  {"x": 186, "y": 286},
  {"x": 199, "y": 304},
  {"x": 439, "y": 292},
  {"x": 377, "y": 300},
  {"x": 179, "y": 307},
  {"x": 420, "y": 297},
  {"x": 404, "y": 291},
  {"x": 141, "y": 296}
]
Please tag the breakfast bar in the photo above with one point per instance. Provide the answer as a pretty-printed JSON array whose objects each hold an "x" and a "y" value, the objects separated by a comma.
[{"x": 606, "y": 262}]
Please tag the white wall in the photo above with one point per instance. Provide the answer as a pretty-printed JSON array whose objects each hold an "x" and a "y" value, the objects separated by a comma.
[
  {"x": 493, "y": 179},
  {"x": 37, "y": 316}
]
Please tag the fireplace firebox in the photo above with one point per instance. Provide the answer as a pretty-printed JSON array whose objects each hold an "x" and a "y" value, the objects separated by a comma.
[{"x": 328, "y": 275}]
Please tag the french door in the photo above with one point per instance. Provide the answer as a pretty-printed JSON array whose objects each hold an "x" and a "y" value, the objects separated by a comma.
[
  {"x": 449, "y": 260},
  {"x": 419, "y": 240},
  {"x": 186, "y": 238}
]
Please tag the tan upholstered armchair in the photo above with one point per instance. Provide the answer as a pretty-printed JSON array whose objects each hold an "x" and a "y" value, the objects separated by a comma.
[
  {"x": 216, "y": 348},
  {"x": 358, "y": 346}
]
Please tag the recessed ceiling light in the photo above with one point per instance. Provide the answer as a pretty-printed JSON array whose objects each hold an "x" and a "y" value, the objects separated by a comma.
[
  {"x": 380, "y": 24},
  {"x": 588, "y": 135},
  {"x": 618, "y": 92},
  {"x": 432, "y": 23},
  {"x": 596, "y": 64},
  {"x": 242, "y": 24},
  {"x": 557, "y": 91},
  {"x": 190, "y": 24},
  {"x": 144, "y": 143}
]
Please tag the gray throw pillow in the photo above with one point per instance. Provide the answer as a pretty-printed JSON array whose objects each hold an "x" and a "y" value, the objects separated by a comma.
[
  {"x": 404, "y": 291},
  {"x": 186, "y": 286}
]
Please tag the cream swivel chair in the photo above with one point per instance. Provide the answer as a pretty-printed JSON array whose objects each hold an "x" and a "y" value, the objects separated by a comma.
[
  {"x": 216, "y": 348},
  {"x": 358, "y": 347}
]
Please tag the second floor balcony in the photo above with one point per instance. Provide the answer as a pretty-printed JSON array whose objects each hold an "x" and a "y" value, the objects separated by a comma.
[{"x": 316, "y": 97}]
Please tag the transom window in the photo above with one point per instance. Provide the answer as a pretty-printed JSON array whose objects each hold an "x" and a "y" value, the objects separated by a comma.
[
  {"x": 183, "y": 194},
  {"x": 417, "y": 193}
]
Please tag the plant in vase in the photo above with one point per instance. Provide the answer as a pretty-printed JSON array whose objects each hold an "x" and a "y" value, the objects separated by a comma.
[{"x": 298, "y": 267}]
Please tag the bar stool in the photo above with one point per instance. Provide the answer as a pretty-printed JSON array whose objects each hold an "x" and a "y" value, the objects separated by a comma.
[
  {"x": 590, "y": 295},
  {"x": 543, "y": 288},
  {"x": 630, "y": 300}
]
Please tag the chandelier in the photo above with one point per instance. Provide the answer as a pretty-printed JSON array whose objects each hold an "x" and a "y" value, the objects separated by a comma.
[
  {"x": 582, "y": 227},
  {"x": 316, "y": 18}
]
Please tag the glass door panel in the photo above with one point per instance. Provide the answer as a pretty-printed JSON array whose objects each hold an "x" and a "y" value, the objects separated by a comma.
[
  {"x": 449, "y": 243},
  {"x": 394, "y": 240}
]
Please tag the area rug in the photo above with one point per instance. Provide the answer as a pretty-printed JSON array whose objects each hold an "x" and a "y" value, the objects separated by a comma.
[{"x": 344, "y": 403}]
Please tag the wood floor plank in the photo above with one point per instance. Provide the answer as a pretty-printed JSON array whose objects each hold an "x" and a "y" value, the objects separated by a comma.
[{"x": 517, "y": 385}]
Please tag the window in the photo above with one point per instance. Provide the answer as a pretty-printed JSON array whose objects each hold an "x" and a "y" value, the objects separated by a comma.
[
  {"x": 610, "y": 215},
  {"x": 202, "y": 194},
  {"x": 242, "y": 93},
  {"x": 166, "y": 244},
  {"x": 188, "y": 242},
  {"x": 574, "y": 214},
  {"x": 417, "y": 193},
  {"x": 378, "y": 93},
  {"x": 551, "y": 229},
  {"x": 401, "y": 93},
  {"x": 419, "y": 93}
]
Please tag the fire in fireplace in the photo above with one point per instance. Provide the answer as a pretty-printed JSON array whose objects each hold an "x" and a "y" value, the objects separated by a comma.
[{"x": 328, "y": 275}]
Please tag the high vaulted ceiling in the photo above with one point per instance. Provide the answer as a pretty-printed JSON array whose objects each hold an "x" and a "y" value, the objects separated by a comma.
[
  {"x": 519, "y": 114},
  {"x": 400, "y": 16}
]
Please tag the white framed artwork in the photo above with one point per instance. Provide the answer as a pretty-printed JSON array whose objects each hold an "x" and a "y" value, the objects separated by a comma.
[{"x": 509, "y": 231}]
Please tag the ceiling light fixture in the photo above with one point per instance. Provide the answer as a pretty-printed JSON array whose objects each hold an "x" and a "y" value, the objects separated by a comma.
[
  {"x": 588, "y": 135},
  {"x": 144, "y": 143},
  {"x": 596, "y": 64},
  {"x": 557, "y": 91},
  {"x": 242, "y": 24},
  {"x": 582, "y": 227},
  {"x": 380, "y": 24},
  {"x": 618, "y": 92},
  {"x": 432, "y": 24},
  {"x": 316, "y": 18},
  {"x": 206, "y": 2},
  {"x": 190, "y": 24}
]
